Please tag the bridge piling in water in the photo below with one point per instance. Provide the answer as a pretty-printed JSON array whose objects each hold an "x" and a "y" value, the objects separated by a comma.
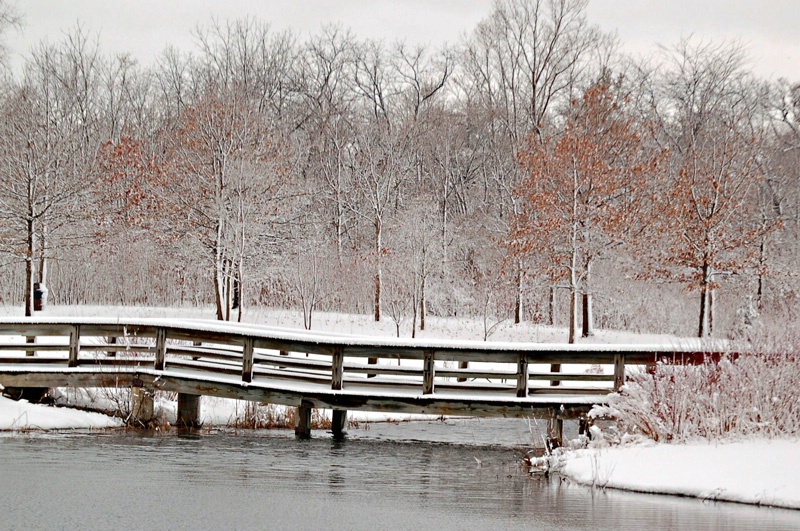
[
  {"x": 339, "y": 423},
  {"x": 555, "y": 430},
  {"x": 188, "y": 411},
  {"x": 142, "y": 407},
  {"x": 302, "y": 429}
]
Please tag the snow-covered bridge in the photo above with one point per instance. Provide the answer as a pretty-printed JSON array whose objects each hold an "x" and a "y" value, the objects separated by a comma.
[{"x": 310, "y": 370}]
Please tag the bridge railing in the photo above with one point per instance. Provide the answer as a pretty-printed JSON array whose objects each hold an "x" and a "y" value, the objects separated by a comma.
[{"x": 249, "y": 353}]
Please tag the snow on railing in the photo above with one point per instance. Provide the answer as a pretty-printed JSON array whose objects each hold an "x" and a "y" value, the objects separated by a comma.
[{"x": 334, "y": 361}]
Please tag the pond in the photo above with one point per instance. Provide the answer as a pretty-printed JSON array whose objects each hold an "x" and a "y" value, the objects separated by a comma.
[{"x": 458, "y": 474}]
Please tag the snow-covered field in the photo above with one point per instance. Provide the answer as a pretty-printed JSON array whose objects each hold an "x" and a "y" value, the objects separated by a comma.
[{"x": 752, "y": 471}]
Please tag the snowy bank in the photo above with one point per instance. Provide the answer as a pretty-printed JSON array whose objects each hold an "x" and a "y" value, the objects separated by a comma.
[
  {"x": 23, "y": 415},
  {"x": 757, "y": 472}
]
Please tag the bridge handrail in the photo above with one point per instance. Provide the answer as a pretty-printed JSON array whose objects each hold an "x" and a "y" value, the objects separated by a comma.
[{"x": 240, "y": 349}]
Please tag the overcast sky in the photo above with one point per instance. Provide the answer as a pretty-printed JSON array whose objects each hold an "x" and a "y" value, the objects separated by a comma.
[{"x": 769, "y": 28}]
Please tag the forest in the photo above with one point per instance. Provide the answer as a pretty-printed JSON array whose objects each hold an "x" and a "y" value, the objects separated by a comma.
[{"x": 530, "y": 172}]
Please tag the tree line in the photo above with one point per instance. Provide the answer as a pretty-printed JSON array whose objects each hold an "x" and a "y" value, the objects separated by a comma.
[{"x": 528, "y": 172}]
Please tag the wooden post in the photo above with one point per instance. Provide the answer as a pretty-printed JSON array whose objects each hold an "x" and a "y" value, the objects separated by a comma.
[
  {"x": 371, "y": 361},
  {"x": 111, "y": 340},
  {"x": 188, "y": 411},
  {"x": 30, "y": 339},
  {"x": 196, "y": 344},
  {"x": 303, "y": 428},
  {"x": 74, "y": 345},
  {"x": 462, "y": 365},
  {"x": 337, "y": 370},
  {"x": 428, "y": 372},
  {"x": 142, "y": 407},
  {"x": 619, "y": 370},
  {"x": 247, "y": 359},
  {"x": 161, "y": 348},
  {"x": 522, "y": 375},
  {"x": 339, "y": 423},
  {"x": 555, "y": 367},
  {"x": 555, "y": 430}
]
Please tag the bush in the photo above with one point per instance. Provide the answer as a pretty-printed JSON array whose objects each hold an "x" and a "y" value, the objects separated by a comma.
[{"x": 754, "y": 394}]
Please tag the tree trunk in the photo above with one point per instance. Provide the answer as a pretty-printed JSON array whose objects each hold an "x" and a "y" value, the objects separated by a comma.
[
  {"x": 31, "y": 244},
  {"x": 43, "y": 257},
  {"x": 703, "y": 329},
  {"x": 518, "y": 297},
  {"x": 551, "y": 306},
  {"x": 423, "y": 309},
  {"x": 762, "y": 264},
  {"x": 573, "y": 314},
  {"x": 588, "y": 317},
  {"x": 378, "y": 270},
  {"x": 218, "y": 274}
]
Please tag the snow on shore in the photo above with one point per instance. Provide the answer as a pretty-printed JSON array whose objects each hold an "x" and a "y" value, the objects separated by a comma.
[
  {"x": 23, "y": 415},
  {"x": 758, "y": 472}
]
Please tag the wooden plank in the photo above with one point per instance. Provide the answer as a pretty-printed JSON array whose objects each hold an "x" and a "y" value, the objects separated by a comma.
[
  {"x": 247, "y": 360},
  {"x": 305, "y": 363},
  {"x": 565, "y": 377},
  {"x": 39, "y": 346}
]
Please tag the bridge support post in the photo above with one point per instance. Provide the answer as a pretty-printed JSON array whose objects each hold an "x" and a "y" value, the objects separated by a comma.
[
  {"x": 302, "y": 429},
  {"x": 339, "y": 423},
  {"x": 142, "y": 407},
  {"x": 555, "y": 430},
  {"x": 188, "y": 411}
]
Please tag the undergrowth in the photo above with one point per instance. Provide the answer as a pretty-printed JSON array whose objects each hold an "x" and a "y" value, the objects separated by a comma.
[
  {"x": 755, "y": 394},
  {"x": 261, "y": 416}
]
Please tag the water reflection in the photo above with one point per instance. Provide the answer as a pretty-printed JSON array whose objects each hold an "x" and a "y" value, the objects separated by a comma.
[{"x": 375, "y": 479}]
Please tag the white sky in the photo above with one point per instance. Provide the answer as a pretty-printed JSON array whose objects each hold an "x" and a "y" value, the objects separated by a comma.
[{"x": 769, "y": 28}]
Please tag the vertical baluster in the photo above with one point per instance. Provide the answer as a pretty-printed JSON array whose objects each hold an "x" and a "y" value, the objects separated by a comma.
[
  {"x": 619, "y": 370},
  {"x": 74, "y": 345},
  {"x": 337, "y": 369},
  {"x": 428, "y": 372},
  {"x": 161, "y": 348},
  {"x": 247, "y": 360},
  {"x": 522, "y": 375}
]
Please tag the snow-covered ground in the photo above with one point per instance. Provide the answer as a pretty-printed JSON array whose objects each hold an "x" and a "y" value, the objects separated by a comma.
[
  {"x": 23, "y": 415},
  {"x": 755, "y": 471}
]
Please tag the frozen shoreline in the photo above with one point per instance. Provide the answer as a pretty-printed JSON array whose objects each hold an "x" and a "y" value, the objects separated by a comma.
[{"x": 759, "y": 472}]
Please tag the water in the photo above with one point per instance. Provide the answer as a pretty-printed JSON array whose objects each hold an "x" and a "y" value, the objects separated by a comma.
[{"x": 457, "y": 475}]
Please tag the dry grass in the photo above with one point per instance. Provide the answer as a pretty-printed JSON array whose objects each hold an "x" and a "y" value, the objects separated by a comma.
[{"x": 263, "y": 416}]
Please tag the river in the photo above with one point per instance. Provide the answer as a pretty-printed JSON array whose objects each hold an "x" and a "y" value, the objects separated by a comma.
[{"x": 459, "y": 475}]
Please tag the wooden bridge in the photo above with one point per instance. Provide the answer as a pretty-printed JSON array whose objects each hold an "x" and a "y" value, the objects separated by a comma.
[{"x": 310, "y": 370}]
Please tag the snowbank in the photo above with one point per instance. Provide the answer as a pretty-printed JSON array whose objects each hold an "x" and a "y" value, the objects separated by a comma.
[
  {"x": 23, "y": 415},
  {"x": 757, "y": 472}
]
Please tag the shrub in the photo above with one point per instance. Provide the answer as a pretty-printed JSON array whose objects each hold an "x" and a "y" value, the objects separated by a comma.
[{"x": 754, "y": 394}]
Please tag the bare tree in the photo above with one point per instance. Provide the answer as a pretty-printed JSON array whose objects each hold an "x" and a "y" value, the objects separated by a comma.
[
  {"x": 526, "y": 58},
  {"x": 709, "y": 112}
]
